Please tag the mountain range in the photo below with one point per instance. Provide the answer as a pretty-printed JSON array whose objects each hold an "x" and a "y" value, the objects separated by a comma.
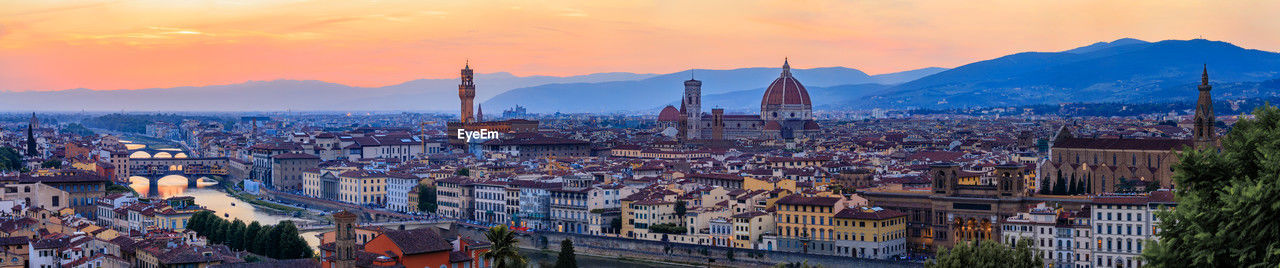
[{"x": 1124, "y": 70}]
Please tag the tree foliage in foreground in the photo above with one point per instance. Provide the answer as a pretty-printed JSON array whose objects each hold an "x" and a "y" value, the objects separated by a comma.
[
  {"x": 567, "y": 258},
  {"x": 1228, "y": 201},
  {"x": 987, "y": 254},
  {"x": 280, "y": 241},
  {"x": 503, "y": 253}
]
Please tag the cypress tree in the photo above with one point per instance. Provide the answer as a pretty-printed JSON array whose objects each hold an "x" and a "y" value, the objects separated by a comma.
[
  {"x": 235, "y": 235},
  {"x": 247, "y": 239},
  {"x": 262, "y": 242},
  {"x": 196, "y": 222},
  {"x": 288, "y": 236},
  {"x": 567, "y": 258},
  {"x": 215, "y": 231}
]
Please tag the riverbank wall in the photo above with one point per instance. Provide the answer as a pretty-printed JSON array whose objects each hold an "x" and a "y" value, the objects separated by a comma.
[{"x": 624, "y": 248}]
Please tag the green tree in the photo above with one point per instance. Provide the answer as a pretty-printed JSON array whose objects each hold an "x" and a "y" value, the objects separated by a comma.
[
  {"x": 291, "y": 245},
  {"x": 247, "y": 239},
  {"x": 682, "y": 208},
  {"x": 235, "y": 237},
  {"x": 273, "y": 247},
  {"x": 463, "y": 172},
  {"x": 567, "y": 259},
  {"x": 427, "y": 198},
  {"x": 196, "y": 222},
  {"x": 503, "y": 251},
  {"x": 224, "y": 235},
  {"x": 1153, "y": 185},
  {"x": 52, "y": 163},
  {"x": 262, "y": 242},
  {"x": 1060, "y": 187},
  {"x": 987, "y": 254},
  {"x": 616, "y": 224},
  {"x": 10, "y": 159},
  {"x": 215, "y": 230},
  {"x": 1227, "y": 201},
  {"x": 1044, "y": 186}
]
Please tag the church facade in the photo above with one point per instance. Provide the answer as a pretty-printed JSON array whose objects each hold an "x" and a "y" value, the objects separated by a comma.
[
  {"x": 785, "y": 113},
  {"x": 1095, "y": 166}
]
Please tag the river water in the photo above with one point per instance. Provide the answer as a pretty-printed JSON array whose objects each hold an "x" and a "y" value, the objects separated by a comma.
[{"x": 209, "y": 195}]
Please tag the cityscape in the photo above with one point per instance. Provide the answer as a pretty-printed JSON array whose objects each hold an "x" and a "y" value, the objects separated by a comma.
[{"x": 348, "y": 146}]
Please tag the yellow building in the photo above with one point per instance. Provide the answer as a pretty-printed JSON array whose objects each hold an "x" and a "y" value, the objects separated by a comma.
[
  {"x": 871, "y": 232},
  {"x": 770, "y": 184},
  {"x": 639, "y": 216},
  {"x": 363, "y": 187},
  {"x": 806, "y": 224},
  {"x": 747, "y": 228}
]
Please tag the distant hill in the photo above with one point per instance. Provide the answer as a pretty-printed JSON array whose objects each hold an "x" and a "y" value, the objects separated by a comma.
[
  {"x": 1121, "y": 71},
  {"x": 1126, "y": 70},
  {"x": 748, "y": 101},
  {"x": 278, "y": 95},
  {"x": 742, "y": 86}
]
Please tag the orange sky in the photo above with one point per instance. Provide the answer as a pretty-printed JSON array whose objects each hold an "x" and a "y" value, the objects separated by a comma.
[{"x": 52, "y": 45}]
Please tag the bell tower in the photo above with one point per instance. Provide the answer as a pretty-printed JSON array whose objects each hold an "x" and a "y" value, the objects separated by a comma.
[
  {"x": 944, "y": 177},
  {"x": 1010, "y": 180},
  {"x": 1203, "y": 133},
  {"x": 692, "y": 104},
  {"x": 344, "y": 239},
  {"x": 467, "y": 93}
]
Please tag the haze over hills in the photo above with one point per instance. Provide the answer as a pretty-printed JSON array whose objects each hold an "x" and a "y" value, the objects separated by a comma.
[
  {"x": 728, "y": 88},
  {"x": 1124, "y": 70},
  {"x": 279, "y": 95},
  {"x": 437, "y": 95}
]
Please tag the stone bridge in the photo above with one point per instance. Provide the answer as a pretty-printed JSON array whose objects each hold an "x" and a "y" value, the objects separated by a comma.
[{"x": 193, "y": 168}]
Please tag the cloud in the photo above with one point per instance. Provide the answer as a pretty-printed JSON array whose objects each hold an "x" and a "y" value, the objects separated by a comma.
[
  {"x": 322, "y": 23},
  {"x": 573, "y": 12},
  {"x": 60, "y": 9}
]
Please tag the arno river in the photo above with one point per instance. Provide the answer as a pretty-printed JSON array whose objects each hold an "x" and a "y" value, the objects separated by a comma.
[{"x": 209, "y": 194}]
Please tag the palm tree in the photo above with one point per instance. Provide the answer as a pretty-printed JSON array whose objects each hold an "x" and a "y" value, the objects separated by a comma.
[{"x": 503, "y": 251}]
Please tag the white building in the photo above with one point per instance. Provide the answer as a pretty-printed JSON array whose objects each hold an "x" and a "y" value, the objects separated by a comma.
[
  {"x": 1123, "y": 223},
  {"x": 1060, "y": 236},
  {"x": 491, "y": 202},
  {"x": 398, "y": 187}
]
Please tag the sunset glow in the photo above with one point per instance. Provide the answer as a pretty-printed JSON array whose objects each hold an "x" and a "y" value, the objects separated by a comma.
[{"x": 55, "y": 45}]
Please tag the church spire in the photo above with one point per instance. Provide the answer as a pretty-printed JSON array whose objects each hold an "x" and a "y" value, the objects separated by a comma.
[
  {"x": 1204, "y": 132},
  {"x": 1204, "y": 76}
]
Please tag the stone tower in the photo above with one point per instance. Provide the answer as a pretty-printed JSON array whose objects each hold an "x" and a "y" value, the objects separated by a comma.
[
  {"x": 1203, "y": 133},
  {"x": 467, "y": 93},
  {"x": 945, "y": 177},
  {"x": 1010, "y": 180},
  {"x": 479, "y": 113},
  {"x": 692, "y": 104},
  {"x": 344, "y": 244},
  {"x": 717, "y": 124}
]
